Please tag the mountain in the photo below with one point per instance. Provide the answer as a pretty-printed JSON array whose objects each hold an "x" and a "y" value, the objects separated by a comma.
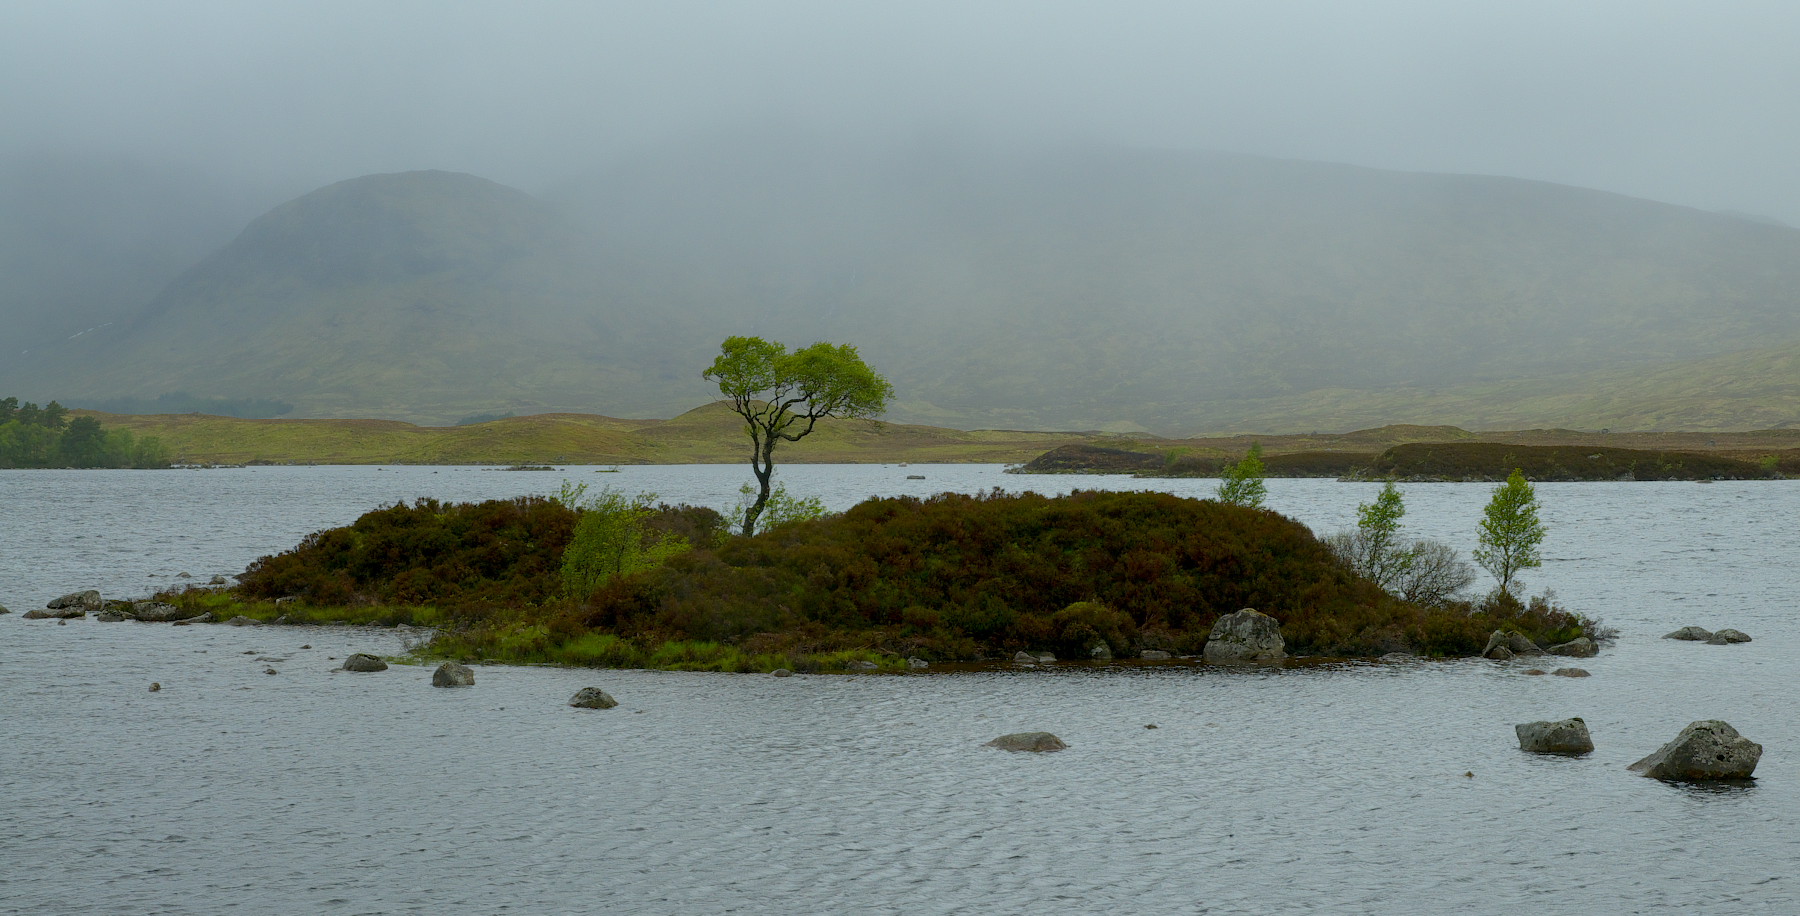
[
  {"x": 1067, "y": 288},
  {"x": 84, "y": 242},
  {"x": 424, "y": 294}
]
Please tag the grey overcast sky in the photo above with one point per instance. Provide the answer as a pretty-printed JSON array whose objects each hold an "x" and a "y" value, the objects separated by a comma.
[{"x": 1693, "y": 103}]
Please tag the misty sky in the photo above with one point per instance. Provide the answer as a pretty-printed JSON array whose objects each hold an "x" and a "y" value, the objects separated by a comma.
[{"x": 1692, "y": 103}]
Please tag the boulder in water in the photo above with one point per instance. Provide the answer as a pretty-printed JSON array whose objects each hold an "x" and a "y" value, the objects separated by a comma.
[
  {"x": 1028, "y": 741},
  {"x": 1569, "y": 736},
  {"x": 781, "y": 672},
  {"x": 1705, "y": 750},
  {"x": 1579, "y": 647},
  {"x": 60, "y": 613},
  {"x": 3, "y": 609},
  {"x": 1727, "y": 636},
  {"x": 88, "y": 601},
  {"x": 1513, "y": 642},
  {"x": 1245, "y": 636},
  {"x": 1694, "y": 634},
  {"x": 1570, "y": 672},
  {"x": 363, "y": 661},
  {"x": 451, "y": 674},
  {"x": 592, "y": 698}
]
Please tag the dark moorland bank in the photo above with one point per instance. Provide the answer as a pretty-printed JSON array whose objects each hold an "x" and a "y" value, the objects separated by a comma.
[
  {"x": 949, "y": 578},
  {"x": 1456, "y": 460}
]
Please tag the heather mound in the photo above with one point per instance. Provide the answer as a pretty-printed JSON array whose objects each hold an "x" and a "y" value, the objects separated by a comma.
[
  {"x": 959, "y": 576},
  {"x": 952, "y": 577}
]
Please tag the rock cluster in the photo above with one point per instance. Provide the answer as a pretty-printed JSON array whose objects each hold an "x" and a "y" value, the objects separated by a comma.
[
  {"x": 1695, "y": 634},
  {"x": 592, "y": 698},
  {"x": 451, "y": 674},
  {"x": 1568, "y": 736},
  {"x": 1705, "y": 750},
  {"x": 1244, "y": 636},
  {"x": 1028, "y": 741},
  {"x": 1723, "y": 637}
]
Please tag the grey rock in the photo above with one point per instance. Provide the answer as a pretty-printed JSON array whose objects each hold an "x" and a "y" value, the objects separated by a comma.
[
  {"x": 451, "y": 674},
  {"x": 1498, "y": 653},
  {"x": 1513, "y": 642},
  {"x": 781, "y": 672},
  {"x": 1726, "y": 637},
  {"x": 1154, "y": 655},
  {"x": 1245, "y": 636},
  {"x": 917, "y": 663},
  {"x": 87, "y": 601},
  {"x": 1102, "y": 652},
  {"x": 363, "y": 661},
  {"x": 203, "y": 618},
  {"x": 61, "y": 613},
  {"x": 1569, "y": 736},
  {"x": 1695, "y": 634},
  {"x": 3, "y": 609},
  {"x": 1570, "y": 672},
  {"x": 111, "y": 616},
  {"x": 1579, "y": 647},
  {"x": 1537, "y": 671},
  {"x": 1028, "y": 741},
  {"x": 159, "y": 612},
  {"x": 155, "y": 686},
  {"x": 184, "y": 575},
  {"x": 242, "y": 621},
  {"x": 592, "y": 698},
  {"x": 861, "y": 665},
  {"x": 216, "y": 580},
  {"x": 1707, "y": 749}
]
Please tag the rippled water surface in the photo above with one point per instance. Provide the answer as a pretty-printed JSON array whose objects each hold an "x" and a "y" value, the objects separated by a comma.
[{"x": 1355, "y": 788}]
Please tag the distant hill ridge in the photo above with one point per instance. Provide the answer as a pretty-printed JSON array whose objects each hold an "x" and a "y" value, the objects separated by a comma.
[{"x": 1076, "y": 288}]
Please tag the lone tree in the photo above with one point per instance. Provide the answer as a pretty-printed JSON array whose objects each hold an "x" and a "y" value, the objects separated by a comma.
[
  {"x": 1510, "y": 531},
  {"x": 783, "y": 395},
  {"x": 1243, "y": 484}
]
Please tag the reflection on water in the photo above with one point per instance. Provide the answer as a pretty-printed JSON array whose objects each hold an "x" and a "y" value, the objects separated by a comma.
[{"x": 1341, "y": 788}]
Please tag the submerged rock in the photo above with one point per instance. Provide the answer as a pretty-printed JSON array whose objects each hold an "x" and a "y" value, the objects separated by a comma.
[
  {"x": 1579, "y": 647},
  {"x": 451, "y": 674},
  {"x": 1569, "y": 736},
  {"x": 1697, "y": 634},
  {"x": 1245, "y": 636},
  {"x": 592, "y": 698},
  {"x": 1726, "y": 637},
  {"x": 781, "y": 672},
  {"x": 1028, "y": 741},
  {"x": 363, "y": 661},
  {"x": 1570, "y": 672},
  {"x": 1707, "y": 749}
]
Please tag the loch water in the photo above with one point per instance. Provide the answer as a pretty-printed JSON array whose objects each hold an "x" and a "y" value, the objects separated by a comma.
[{"x": 1354, "y": 787}]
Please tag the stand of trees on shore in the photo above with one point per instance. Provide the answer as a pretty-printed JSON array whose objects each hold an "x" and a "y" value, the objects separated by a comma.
[{"x": 48, "y": 437}]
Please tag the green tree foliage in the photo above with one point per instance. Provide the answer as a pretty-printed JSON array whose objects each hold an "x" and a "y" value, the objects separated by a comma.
[
  {"x": 1421, "y": 572},
  {"x": 1510, "y": 532},
  {"x": 614, "y": 538},
  {"x": 1243, "y": 482},
  {"x": 781, "y": 507},
  {"x": 37, "y": 437},
  {"x": 782, "y": 396}
]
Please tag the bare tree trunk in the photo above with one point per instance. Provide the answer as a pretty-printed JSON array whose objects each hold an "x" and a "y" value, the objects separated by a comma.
[{"x": 762, "y": 464}]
